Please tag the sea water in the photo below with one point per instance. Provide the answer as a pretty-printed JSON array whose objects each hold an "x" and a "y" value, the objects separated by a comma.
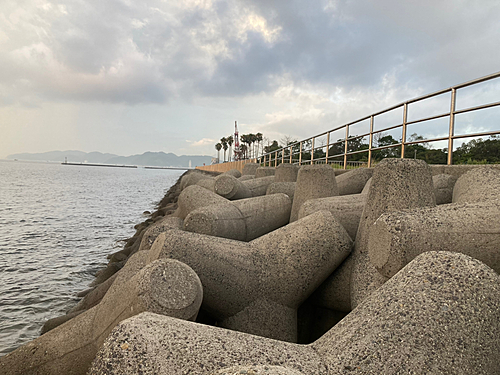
[{"x": 57, "y": 225}]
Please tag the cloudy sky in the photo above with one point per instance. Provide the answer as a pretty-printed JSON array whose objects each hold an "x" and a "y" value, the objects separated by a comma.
[{"x": 129, "y": 76}]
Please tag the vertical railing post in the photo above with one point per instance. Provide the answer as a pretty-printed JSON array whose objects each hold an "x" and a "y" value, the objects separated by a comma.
[
  {"x": 452, "y": 125},
  {"x": 345, "y": 145},
  {"x": 403, "y": 136},
  {"x": 300, "y": 153},
  {"x": 312, "y": 151},
  {"x": 275, "y": 158},
  {"x": 291, "y": 149},
  {"x": 327, "y": 147},
  {"x": 370, "y": 143}
]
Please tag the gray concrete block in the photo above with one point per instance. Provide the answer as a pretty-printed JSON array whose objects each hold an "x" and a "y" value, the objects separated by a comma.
[
  {"x": 335, "y": 292},
  {"x": 353, "y": 181},
  {"x": 437, "y": 315},
  {"x": 284, "y": 266},
  {"x": 396, "y": 184},
  {"x": 258, "y": 186},
  {"x": 167, "y": 223},
  {"x": 250, "y": 169},
  {"x": 165, "y": 346},
  {"x": 443, "y": 187},
  {"x": 286, "y": 173},
  {"x": 192, "y": 178},
  {"x": 234, "y": 172},
  {"x": 313, "y": 181},
  {"x": 257, "y": 370},
  {"x": 243, "y": 220},
  {"x": 366, "y": 189},
  {"x": 163, "y": 287},
  {"x": 231, "y": 188},
  {"x": 207, "y": 183},
  {"x": 264, "y": 172},
  {"x": 479, "y": 184},
  {"x": 468, "y": 228},
  {"x": 247, "y": 177},
  {"x": 287, "y": 188},
  {"x": 347, "y": 209},
  {"x": 194, "y": 197}
]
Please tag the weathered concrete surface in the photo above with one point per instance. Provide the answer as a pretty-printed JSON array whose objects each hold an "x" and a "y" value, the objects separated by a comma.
[
  {"x": 231, "y": 188},
  {"x": 250, "y": 169},
  {"x": 313, "y": 181},
  {"x": 246, "y": 177},
  {"x": 468, "y": 228},
  {"x": 207, "y": 183},
  {"x": 353, "y": 181},
  {"x": 458, "y": 170},
  {"x": 366, "y": 189},
  {"x": 192, "y": 178},
  {"x": 258, "y": 186},
  {"x": 257, "y": 370},
  {"x": 443, "y": 187},
  {"x": 477, "y": 185},
  {"x": 439, "y": 315},
  {"x": 396, "y": 184},
  {"x": 234, "y": 172},
  {"x": 243, "y": 220},
  {"x": 194, "y": 197},
  {"x": 335, "y": 292},
  {"x": 286, "y": 173},
  {"x": 284, "y": 266},
  {"x": 347, "y": 209},
  {"x": 264, "y": 172},
  {"x": 167, "y": 223},
  {"x": 287, "y": 188},
  {"x": 165, "y": 287}
]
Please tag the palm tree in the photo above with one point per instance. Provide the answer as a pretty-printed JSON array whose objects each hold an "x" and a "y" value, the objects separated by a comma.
[
  {"x": 244, "y": 139},
  {"x": 230, "y": 142},
  {"x": 223, "y": 140},
  {"x": 259, "y": 140},
  {"x": 243, "y": 149},
  {"x": 218, "y": 147}
]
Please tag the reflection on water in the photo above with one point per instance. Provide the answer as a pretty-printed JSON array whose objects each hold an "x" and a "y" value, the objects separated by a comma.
[{"x": 57, "y": 224}]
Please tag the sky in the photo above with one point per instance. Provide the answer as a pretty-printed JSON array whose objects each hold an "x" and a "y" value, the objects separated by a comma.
[{"x": 126, "y": 77}]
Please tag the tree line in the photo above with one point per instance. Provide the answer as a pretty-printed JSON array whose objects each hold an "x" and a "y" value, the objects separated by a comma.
[
  {"x": 476, "y": 151},
  {"x": 250, "y": 145}
]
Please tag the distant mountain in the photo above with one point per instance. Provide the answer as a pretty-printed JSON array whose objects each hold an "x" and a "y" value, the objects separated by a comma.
[{"x": 157, "y": 159}]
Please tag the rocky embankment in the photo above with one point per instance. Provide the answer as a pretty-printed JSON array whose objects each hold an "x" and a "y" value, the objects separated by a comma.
[{"x": 289, "y": 270}]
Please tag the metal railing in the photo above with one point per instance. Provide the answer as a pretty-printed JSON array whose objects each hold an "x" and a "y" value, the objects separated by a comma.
[{"x": 295, "y": 152}]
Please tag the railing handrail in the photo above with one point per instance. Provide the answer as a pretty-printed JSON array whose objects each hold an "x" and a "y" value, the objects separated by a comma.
[{"x": 268, "y": 157}]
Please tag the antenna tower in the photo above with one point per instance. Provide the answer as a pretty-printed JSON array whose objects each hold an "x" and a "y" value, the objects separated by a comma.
[{"x": 236, "y": 142}]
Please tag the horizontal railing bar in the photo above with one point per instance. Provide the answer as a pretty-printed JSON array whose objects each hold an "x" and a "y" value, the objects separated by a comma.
[
  {"x": 428, "y": 118},
  {"x": 475, "y": 134},
  {"x": 385, "y": 129},
  {"x": 470, "y": 109}
]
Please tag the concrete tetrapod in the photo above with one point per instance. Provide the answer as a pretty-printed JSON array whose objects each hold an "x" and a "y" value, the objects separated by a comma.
[
  {"x": 353, "y": 181},
  {"x": 347, "y": 209},
  {"x": 468, "y": 228},
  {"x": 231, "y": 188},
  {"x": 194, "y": 197},
  {"x": 287, "y": 188},
  {"x": 286, "y": 173},
  {"x": 170, "y": 222},
  {"x": 313, "y": 181},
  {"x": 438, "y": 315},
  {"x": 166, "y": 287},
  {"x": 396, "y": 184},
  {"x": 257, "y": 286},
  {"x": 264, "y": 172},
  {"x": 243, "y": 220},
  {"x": 250, "y": 169},
  {"x": 257, "y": 370},
  {"x": 479, "y": 184},
  {"x": 258, "y": 186}
]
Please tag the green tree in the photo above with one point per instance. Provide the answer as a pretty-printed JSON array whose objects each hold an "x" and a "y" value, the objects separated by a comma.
[
  {"x": 478, "y": 150},
  {"x": 223, "y": 140},
  {"x": 230, "y": 141},
  {"x": 218, "y": 147}
]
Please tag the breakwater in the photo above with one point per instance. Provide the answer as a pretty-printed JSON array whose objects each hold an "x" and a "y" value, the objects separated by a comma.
[{"x": 307, "y": 264}]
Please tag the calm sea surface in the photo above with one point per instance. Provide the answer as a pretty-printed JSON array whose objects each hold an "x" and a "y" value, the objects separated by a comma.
[{"x": 57, "y": 224}]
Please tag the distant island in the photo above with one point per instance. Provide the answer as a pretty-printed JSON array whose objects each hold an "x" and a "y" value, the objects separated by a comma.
[{"x": 156, "y": 159}]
